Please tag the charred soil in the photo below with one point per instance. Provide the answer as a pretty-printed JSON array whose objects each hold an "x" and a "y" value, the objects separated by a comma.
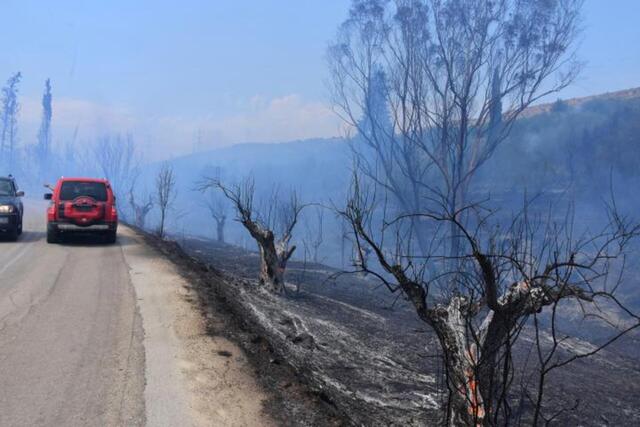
[{"x": 339, "y": 350}]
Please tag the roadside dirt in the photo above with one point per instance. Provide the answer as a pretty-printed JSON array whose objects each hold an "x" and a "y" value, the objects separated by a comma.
[
  {"x": 192, "y": 377},
  {"x": 290, "y": 400}
]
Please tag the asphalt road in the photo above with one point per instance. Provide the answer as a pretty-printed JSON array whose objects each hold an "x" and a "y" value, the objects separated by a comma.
[
  {"x": 109, "y": 335},
  {"x": 70, "y": 336}
]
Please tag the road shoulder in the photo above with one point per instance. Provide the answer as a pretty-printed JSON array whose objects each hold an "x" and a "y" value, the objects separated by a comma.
[{"x": 192, "y": 378}]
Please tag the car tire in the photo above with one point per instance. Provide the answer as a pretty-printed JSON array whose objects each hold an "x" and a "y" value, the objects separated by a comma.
[
  {"x": 20, "y": 227},
  {"x": 52, "y": 235},
  {"x": 13, "y": 234},
  {"x": 110, "y": 237}
]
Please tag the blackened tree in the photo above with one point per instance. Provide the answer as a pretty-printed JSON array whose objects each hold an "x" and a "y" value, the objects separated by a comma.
[
  {"x": 43, "y": 148},
  {"x": 454, "y": 75},
  {"x": 10, "y": 110}
]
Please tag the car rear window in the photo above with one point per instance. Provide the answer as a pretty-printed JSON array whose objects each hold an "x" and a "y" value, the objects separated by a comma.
[{"x": 73, "y": 189}]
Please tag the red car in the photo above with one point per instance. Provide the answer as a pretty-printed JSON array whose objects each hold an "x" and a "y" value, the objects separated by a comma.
[{"x": 81, "y": 205}]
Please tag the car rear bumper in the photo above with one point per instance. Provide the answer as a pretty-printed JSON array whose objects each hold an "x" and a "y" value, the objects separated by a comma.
[
  {"x": 8, "y": 222},
  {"x": 69, "y": 227}
]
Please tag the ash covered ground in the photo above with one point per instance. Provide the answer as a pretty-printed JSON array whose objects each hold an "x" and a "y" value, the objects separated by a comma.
[{"x": 368, "y": 360}]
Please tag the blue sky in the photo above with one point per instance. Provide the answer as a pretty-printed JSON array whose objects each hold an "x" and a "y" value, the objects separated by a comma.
[{"x": 229, "y": 71}]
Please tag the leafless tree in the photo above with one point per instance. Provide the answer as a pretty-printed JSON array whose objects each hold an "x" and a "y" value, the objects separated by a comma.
[
  {"x": 119, "y": 162},
  {"x": 43, "y": 147},
  {"x": 503, "y": 277},
  {"x": 140, "y": 209},
  {"x": 314, "y": 235},
  {"x": 271, "y": 226},
  {"x": 165, "y": 194},
  {"x": 217, "y": 209},
  {"x": 9, "y": 119},
  {"x": 433, "y": 87},
  {"x": 301, "y": 275},
  {"x": 344, "y": 240}
]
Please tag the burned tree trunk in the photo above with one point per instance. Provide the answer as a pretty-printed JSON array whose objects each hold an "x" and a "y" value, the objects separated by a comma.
[
  {"x": 273, "y": 256},
  {"x": 476, "y": 314},
  {"x": 450, "y": 323},
  {"x": 220, "y": 229},
  {"x": 140, "y": 211},
  {"x": 274, "y": 252},
  {"x": 218, "y": 210}
]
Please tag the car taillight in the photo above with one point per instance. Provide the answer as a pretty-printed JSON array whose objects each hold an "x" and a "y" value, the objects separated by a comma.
[{"x": 114, "y": 212}]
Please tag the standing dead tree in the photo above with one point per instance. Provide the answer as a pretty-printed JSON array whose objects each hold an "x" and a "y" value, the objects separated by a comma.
[
  {"x": 118, "y": 161},
  {"x": 165, "y": 194},
  {"x": 271, "y": 227},
  {"x": 217, "y": 209},
  {"x": 501, "y": 279},
  {"x": 43, "y": 147},
  {"x": 345, "y": 241},
  {"x": 9, "y": 119},
  {"x": 315, "y": 234},
  {"x": 433, "y": 87},
  {"x": 140, "y": 210}
]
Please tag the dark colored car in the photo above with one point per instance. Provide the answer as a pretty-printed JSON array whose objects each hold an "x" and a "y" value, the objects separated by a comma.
[
  {"x": 81, "y": 205},
  {"x": 11, "y": 208}
]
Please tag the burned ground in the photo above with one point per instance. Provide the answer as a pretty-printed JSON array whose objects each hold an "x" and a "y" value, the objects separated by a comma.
[{"x": 341, "y": 350}]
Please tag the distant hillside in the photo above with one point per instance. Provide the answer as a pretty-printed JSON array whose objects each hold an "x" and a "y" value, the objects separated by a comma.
[
  {"x": 581, "y": 145},
  {"x": 318, "y": 169},
  {"x": 546, "y": 133},
  {"x": 568, "y": 149},
  {"x": 621, "y": 95},
  {"x": 315, "y": 167}
]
